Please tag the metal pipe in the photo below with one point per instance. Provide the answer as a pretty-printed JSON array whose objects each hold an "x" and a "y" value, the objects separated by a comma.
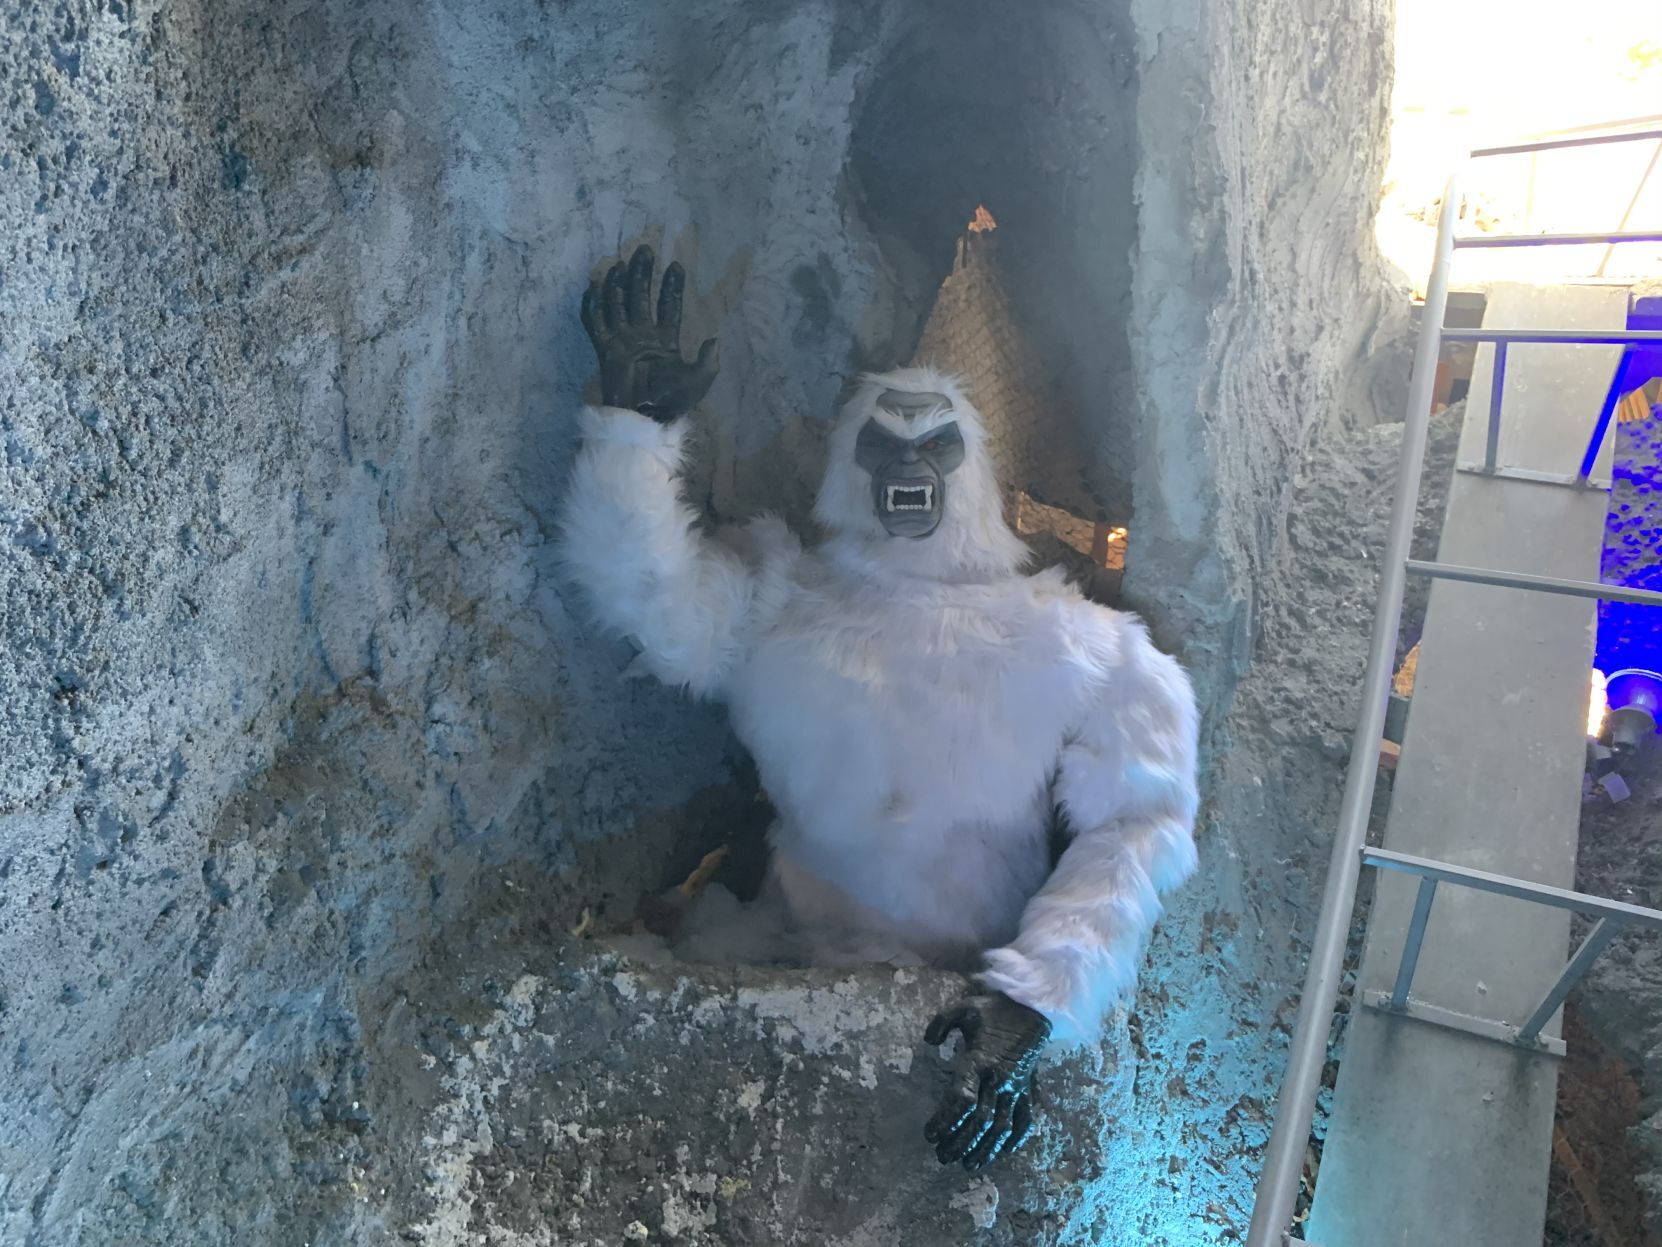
[
  {"x": 1497, "y": 387},
  {"x": 1591, "y": 140},
  {"x": 1506, "y": 885},
  {"x": 1556, "y": 240},
  {"x": 1638, "y": 194},
  {"x": 1272, "y": 1211},
  {"x": 1607, "y": 412},
  {"x": 1590, "y": 127},
  {"x": 1583, "y": 960},
  {"x": 1411, "y": 945},
  {"x": 1568, "y": 337},
  {"x": 1536, "y": 584}
]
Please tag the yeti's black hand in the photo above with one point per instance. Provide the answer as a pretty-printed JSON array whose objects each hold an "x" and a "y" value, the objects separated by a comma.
[
  {"x": 640, "y": 358},
  {"x": 988, "y": 1109}
]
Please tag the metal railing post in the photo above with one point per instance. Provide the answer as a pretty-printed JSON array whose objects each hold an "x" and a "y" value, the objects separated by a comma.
[
  {"x": 1497, "y": 388},
  {"x": 1602, "y": 933},
  {"x": 1411, "y": 946},
  {"x": 1612, "y": 397},
  {"x": 1272, "y": 1211}
]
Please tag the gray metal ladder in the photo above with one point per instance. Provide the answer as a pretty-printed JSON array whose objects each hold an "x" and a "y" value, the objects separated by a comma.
[{"x": 1278, "y": 1184}]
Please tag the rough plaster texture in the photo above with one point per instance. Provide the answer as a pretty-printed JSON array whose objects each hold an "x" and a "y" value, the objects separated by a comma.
[{"x": 301, "y": 741}]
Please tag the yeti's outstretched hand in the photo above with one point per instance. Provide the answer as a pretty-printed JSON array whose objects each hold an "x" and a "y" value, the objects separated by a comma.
[
  {"x": 988, "y": 1109},
  {"x": 640, "y": 357}
]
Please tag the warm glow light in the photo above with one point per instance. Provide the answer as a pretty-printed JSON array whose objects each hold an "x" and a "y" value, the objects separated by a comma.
[
  {"x": 1597, "y": 705},
  {"x": 1483, "y": 72},
  {"x": 982, "y": 222}
]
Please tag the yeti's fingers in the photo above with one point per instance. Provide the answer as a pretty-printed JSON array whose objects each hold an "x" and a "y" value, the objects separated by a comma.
[
  {"x": 1021, "y": 1122},
  {"x": 705, "y": 369},
  {"x": 960, "y": 1102},
  {"x": 669, "y": 301},
  {"x": 998, "y": 1133},
  {"x": 970, "y": 1131},
  {"x": 612, "y": 307},
  {"x": 639, "y": 297},
  {"x": 963, "y": 1018},
  {"x": 591, "y": 313}
]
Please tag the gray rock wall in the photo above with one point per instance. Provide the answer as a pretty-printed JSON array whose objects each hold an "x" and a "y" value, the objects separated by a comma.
[
  {"x": 1258, "y": 296},
  {"x": 300, "y": 737}
]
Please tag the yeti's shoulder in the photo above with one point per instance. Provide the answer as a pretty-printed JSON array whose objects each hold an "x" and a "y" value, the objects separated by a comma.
[
  {"x": 773, "y": 556},
  {"x": 1094, "y": 637}
]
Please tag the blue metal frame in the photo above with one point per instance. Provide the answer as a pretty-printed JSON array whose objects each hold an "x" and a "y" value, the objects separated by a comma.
[{"x": 1606, "y": 413}]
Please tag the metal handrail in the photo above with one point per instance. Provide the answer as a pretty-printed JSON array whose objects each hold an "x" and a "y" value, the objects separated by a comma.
[
  {"x": 1577, "y": 136},
  {"x": 1470, "y": 241},
  {"x": 1567, "y": 337},
  {"x": 1536, "y": 584},
  {"x": 1278, "y": 1183},
  {"x": 1591, "y": 140}
]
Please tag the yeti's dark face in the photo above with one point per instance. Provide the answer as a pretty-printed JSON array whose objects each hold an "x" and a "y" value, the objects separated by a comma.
[{"x": 908, "y": 472}]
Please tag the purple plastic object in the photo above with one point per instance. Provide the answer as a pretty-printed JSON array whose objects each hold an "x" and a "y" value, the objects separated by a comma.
[{"x": 1634, "y": 696}]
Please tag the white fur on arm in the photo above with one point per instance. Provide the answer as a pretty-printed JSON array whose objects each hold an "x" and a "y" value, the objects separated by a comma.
[
  {"x": 1127, "y": 785},
  {"x": 648, "y": 573}
]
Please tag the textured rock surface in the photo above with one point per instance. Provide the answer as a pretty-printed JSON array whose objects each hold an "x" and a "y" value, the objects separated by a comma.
[
  {"x": 300, "y": 740},
  {"x": 1621, "y": 857},
  {"x": 564, "y": 1116},
  {"x": 1256, "y": 298},
  {"x": 1621, "y": 845}
]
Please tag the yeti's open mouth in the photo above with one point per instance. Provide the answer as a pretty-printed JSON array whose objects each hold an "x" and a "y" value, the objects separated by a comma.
[{"x": 909, "y": 497}]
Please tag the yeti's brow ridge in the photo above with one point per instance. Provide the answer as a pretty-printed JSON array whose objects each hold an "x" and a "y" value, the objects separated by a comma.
[{"x": 913, "y": 405}]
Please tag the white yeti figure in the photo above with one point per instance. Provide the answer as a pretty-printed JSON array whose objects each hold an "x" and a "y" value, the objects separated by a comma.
[{"x": 916, "y": 705}]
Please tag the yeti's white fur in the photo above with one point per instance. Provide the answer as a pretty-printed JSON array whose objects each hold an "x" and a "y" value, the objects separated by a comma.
[{"x": 915, "y": 708}]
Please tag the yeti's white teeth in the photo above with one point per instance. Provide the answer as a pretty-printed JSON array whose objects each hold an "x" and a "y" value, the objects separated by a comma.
[{"x": 910, "y": 497}]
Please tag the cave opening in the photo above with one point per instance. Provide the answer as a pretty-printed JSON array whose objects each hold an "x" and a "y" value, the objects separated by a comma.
[
  {"x": 995, "y": 203},
  {"x": 995, "y": 178}
]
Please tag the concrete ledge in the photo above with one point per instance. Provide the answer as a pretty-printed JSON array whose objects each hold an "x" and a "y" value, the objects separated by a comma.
[{"x": 616, "y": 1099}]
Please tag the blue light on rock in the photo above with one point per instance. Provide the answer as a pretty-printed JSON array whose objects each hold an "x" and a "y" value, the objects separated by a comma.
[{"x": 1630, "y": 636}]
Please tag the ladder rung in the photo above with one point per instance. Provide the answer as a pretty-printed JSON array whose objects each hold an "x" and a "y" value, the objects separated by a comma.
[
  {"x": 1577, "y": 337},
  {"x": 1594, "y": 484},
  {"x": 1556, "y": 240},
  {"x": 1537, "y": 584},
  {"x": 1506, "y": 885}
]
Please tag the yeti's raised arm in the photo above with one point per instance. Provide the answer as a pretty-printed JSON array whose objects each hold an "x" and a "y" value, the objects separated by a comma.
[
  {"x": 1127, "y": 786},
  {"x": 625, "y": 534}
]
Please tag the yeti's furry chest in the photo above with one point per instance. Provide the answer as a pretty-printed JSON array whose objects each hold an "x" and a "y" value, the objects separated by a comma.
[{"x": 883, "y": 719}]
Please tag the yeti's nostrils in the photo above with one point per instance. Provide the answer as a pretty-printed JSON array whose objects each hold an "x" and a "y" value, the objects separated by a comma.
[{"x": 910, "y": 498}]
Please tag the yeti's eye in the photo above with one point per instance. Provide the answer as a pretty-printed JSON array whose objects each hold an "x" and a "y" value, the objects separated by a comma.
[{"x": 943, "y": 438}]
